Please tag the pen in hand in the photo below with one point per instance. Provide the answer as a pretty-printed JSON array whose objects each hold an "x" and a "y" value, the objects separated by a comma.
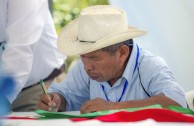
[{"x": 46, "y": 92}]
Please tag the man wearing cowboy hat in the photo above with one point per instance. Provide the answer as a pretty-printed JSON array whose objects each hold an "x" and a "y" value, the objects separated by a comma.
[{"x": 113, "y": 72}]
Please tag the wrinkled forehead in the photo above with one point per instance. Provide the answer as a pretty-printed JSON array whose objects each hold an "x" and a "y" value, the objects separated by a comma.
[{"x": 99, "y": 52}]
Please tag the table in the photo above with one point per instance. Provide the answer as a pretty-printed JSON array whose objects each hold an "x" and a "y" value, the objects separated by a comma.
[{"x": 67, "y": 122}]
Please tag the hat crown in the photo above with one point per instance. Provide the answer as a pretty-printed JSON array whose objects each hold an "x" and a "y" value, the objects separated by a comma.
[
  {"x": 96, "y": 22},
  {"x": 97, "y": 27}
]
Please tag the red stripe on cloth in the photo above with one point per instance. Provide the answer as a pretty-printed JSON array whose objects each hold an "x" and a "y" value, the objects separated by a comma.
[{"x": 159, "y": 115}]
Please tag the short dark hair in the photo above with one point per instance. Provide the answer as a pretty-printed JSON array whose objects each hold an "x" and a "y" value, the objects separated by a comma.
[{"x": 113, "y": 48}]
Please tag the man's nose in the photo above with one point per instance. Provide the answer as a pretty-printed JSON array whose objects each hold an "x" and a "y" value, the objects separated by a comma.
[{"x": 88, "y": 66}]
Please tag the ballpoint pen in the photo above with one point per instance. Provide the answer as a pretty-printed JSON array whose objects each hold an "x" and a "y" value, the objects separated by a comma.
[{"x": 45, "y": 91}]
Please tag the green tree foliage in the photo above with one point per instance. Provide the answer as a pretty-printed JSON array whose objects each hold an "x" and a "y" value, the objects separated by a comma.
[{"x": 66, "y": 10}]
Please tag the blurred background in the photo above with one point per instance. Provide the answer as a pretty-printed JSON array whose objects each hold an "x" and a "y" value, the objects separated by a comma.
[
  {"x": 170, "y": 26},
  {"x": 64, "y": 11}
]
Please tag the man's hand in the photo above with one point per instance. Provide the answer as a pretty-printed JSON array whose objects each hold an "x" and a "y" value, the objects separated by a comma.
[
  {"x": 97, "y": 104},
  {"x": 50, "y": 104}
]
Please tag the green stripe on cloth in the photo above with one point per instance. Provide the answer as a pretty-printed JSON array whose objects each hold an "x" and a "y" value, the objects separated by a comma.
[
  {"x": 57, "y": 115},
  {"x": 180, "y": 109}
]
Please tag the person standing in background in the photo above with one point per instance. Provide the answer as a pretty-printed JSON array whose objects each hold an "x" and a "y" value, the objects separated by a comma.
[{"x": 28, "y": 50}]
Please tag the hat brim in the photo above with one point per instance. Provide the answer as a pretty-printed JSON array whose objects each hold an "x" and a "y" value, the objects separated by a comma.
[{"x": 70, "y": 45}]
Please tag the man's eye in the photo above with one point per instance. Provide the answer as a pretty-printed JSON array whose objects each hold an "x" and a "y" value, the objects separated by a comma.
[
  {"x": 82, "y": 56},
  {"x": 94, "y": 59},
  {"x": 91, "y": 58}
]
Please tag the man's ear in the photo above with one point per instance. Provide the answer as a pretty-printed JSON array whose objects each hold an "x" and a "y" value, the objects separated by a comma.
[{"x": 124, "y": 52}]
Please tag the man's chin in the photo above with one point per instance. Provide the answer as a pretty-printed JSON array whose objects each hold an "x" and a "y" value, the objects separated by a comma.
[{"x": 97, "y": 79}]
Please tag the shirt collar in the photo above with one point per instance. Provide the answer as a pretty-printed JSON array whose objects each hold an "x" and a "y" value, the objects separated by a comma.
[{"x": 132, "y": 63}]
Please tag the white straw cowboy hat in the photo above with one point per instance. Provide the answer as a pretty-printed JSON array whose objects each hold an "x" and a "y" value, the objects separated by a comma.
[{"x": 97, "y": 27}]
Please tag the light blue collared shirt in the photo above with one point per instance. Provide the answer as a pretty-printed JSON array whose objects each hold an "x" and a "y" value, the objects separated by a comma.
[{"x": 155, "y": 76}]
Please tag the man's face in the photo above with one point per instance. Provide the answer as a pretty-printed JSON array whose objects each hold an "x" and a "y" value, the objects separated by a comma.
[{"x": 101, "y": 65}]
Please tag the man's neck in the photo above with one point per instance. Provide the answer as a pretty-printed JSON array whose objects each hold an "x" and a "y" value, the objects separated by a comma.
[{"x": 119, "y": 75}]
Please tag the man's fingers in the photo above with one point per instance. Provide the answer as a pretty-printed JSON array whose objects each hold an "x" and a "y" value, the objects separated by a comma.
[
  {"x": 84, "y": 107},
  {"x": 50, "y": 102},
  {"x": 45, "y": 103},
  {"x": 45, "y": 99},
  {"x": 43, "y": 106},
  {"x": 88, "y": 107},
  {"x": 97, "y": 104},
  {"x": 56, "y": 100}
]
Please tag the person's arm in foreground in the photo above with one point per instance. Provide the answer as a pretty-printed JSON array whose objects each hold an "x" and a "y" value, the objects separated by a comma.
[
  {"x": 101, "y": 104},
  {"x": 98, "y": 104}
]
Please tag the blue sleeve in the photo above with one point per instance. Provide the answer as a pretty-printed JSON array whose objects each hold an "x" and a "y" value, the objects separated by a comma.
[
  {"x": 74, "y": 88},
  {"x": 158, "y": 79}
]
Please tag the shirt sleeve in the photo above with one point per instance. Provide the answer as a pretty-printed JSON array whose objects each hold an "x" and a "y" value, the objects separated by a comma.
[
  {"x": 23, "y": 30},
  {"x": 159, "y": 79},
  {"x": 74, "y": 88}
]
